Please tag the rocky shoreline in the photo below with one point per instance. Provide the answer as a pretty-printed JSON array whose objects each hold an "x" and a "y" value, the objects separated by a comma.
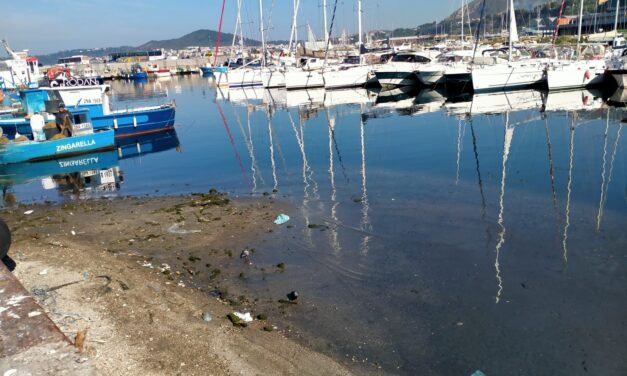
[{"x": 147, "y": 280}]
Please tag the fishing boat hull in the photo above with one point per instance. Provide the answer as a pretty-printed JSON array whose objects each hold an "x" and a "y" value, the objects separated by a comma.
[
  {"x": 300, "y": 79},
  {"x": 347, "y": 77},
  {"x": 138, "y": 76},
  {"x": 27, "y": 151},
  {"x": 507, "y": 77},
  {"x": 575, "y": 75},
  {"x": 207, "y": 71},
  {"x": 137, "y": 122}
]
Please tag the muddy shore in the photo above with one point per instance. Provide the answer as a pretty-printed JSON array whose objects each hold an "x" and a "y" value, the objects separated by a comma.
[{"x": 148, "y": 279}]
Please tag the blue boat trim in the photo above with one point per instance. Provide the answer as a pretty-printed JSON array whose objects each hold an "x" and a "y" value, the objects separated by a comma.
[{"x": 30, "y": 151}]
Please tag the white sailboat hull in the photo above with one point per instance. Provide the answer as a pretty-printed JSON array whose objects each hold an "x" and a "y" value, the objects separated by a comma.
[
  {"x": 347, "y": 77},
  {"x": 239, "y": 77},
  {"x": 576, "y": 74},
  {"x": 300, "y": 79},
  {"x": 507, "y": 76},
  {"x": 272, "y": 78}
]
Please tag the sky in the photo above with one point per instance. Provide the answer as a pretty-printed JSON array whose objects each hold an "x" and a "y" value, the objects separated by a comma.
[{"x": 45, "y": 26}]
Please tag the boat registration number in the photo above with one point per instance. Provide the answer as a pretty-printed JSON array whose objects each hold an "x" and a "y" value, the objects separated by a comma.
[{"x": 107, "y": 176}]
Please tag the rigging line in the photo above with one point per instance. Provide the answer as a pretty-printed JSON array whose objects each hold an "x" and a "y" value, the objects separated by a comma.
[
  {"x": 509, "y": 134},
  {"x": 551, "y": 169},
  {"x": 326, "y": 50},
  {"x": 275, "y": 187},
  {"x": 215, "y": 58},
  {"x": 474, "y": 52},
  {"x": 339, "y": 155},
  {"x": 474, "y": 146},
  {"x": 620, "y": 127},
  {"x": 228, "y": 131},
  {"x": 569, "y": 188},
  {"x": 607, "y": 127}
]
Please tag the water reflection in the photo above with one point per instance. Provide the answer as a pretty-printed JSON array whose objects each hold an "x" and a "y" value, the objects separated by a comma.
[
  {"x": 84, "y": 176},
  {"x": 416, "y": 211}
]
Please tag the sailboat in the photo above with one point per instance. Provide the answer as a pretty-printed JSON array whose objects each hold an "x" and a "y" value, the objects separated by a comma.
[
  {"x": 617, "y": 66},
  {"x": 586, "y": 72},
  {"x": 274, "y": 76},
  {"x": 456, "y": 62},
  {"x": 248, "y": 74},
  {"x": 348, "y": 74},
  {"x": 513, "y": 74},
  {"x": 212, "y": 68},
  {"x": 310, "y": 75}
]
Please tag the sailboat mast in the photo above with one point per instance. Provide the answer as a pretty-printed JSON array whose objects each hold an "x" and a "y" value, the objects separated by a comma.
[
  {"x": 512, "y": 23},
  {"x": 579, "y": 26},
  {"x": 616, "y": 18},
  {"x": 263, "y": 39},
  {"x": 462, "y": 24},
  {"x": 326, "y": 33},
  {"x": 359, "y": 22},
  {"x": 237, "y": 23},
  {"x": 293, "y": 33}
]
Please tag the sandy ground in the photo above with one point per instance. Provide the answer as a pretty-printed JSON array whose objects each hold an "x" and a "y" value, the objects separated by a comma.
[{"x": 121, "y": 269}]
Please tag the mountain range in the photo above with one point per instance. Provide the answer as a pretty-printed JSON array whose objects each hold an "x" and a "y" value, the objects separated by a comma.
[{"x": 199, "y": 38}]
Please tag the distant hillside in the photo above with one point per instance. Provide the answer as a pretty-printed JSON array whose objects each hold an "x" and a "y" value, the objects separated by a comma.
[
  {"x": 92, "y": 52},
  {"x": 527, "y": 11},
  {"x": 203, "y": 38}
]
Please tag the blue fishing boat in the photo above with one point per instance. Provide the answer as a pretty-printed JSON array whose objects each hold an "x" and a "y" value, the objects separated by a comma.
[
  {"x": 83, "y": 140},
  {"x": 27, "y": 151},
  {"x": 95, "y": 98},
  {"x": 137, "y": 73},
  {"x": 207, "y": 71}
]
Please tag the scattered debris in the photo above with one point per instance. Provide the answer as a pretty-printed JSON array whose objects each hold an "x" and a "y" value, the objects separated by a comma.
[
  {"x": 34, "y": 313},
  {"x": 236, "y": 320},
  {"x": 281, "y": 219},
  {"x": 292, "y": 296},
  {"x": 29, "y": 212},
  {"x": 245, "y": 255},
  {"x": 79, "y": 340},
  {"x": 206, "y": 316},
  {"x": 246, "y": 317},
  {"x": 43, "y": 272},
  {"x": 175, "y": 229}
]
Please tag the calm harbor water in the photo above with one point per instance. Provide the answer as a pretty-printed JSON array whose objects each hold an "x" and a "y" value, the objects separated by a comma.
[{"x": 484, "y": 232}]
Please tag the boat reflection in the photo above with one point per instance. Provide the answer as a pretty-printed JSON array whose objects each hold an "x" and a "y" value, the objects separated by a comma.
[
  {"x": 85, "y": 176},
  {"x": 131, "y": 147},
  {"x": 77, "y": 177}
]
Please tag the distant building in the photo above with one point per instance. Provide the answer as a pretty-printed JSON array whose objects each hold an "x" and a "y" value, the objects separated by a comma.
[
  {"x": 73, "y": 60},
  {"x": 137, "y": 56}
]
